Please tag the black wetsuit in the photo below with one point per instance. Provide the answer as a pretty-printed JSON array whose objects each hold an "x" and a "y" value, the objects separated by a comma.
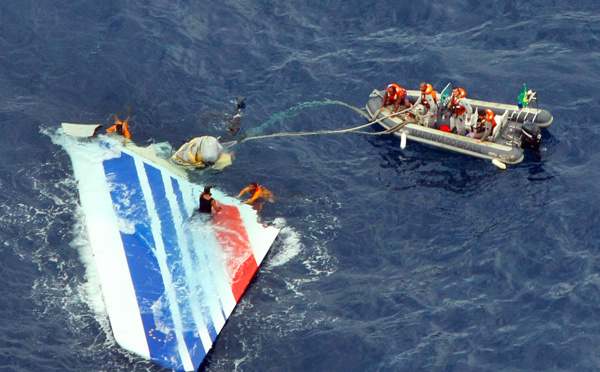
[{"x": 205, "y": 204}]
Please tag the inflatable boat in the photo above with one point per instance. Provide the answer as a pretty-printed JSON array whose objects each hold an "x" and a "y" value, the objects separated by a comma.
[
  {"x": 517, "y": 128},
  {"x": 170, "y": 277}
]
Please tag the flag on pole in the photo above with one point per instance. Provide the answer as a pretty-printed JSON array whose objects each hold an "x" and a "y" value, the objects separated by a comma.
[{"x": 523, "y": 97}]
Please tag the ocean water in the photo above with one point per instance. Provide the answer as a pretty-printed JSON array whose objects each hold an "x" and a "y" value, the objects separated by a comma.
[{"x": 389, "y": 259}]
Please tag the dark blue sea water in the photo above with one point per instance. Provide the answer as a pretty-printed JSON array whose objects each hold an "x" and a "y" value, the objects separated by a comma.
[{"x": 390, "y": 259}]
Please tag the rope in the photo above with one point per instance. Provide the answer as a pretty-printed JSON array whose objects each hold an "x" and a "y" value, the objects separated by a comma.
[
  {"x": 293, "y": 111},
  {"x": 355, "y": 129}
]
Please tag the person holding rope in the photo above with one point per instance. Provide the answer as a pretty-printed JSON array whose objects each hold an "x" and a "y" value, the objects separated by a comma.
[{"x": 395, "y": 95}]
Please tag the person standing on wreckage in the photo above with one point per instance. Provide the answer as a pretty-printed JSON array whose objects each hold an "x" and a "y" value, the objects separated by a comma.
[
  {"x": 461, "y": 111},
  {"x": 427, "y": 105}
]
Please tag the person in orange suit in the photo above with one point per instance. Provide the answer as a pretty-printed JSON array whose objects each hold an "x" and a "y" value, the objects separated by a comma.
[
  {"x": 257, "y": 192},
  {"x": 121, "y": 127},
  {"x": 395, "y": 95}
]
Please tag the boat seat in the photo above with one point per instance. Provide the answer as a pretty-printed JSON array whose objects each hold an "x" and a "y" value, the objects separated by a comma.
[{"x": 500, "y": 122}]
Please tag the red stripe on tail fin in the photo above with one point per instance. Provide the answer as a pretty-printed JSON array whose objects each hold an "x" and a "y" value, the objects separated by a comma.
[{"x": 233, "y": 238}]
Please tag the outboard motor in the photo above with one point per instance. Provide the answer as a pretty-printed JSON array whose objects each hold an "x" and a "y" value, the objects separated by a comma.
[{"x": 531, "y": 136}]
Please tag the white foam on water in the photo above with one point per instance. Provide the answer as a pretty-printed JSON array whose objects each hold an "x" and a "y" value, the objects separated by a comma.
[
  {"x": 290, "y": 242},
  {"x": 92, "y": 290}
]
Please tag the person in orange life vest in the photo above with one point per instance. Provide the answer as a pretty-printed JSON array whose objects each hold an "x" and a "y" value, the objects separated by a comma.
[
  {"x": 462, "y": 111},
  {"x": 207, "y": 203},
  {"x": 427, "y": 104},
  {"x": 257, "y": 192},
  {"x": 485, "y": 125},
  {"x": 120, "y": 127},
  {"x": 395, "y": 95}
]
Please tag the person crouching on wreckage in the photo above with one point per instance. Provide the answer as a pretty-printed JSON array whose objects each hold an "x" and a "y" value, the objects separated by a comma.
[{"x": 201, "y": 152}]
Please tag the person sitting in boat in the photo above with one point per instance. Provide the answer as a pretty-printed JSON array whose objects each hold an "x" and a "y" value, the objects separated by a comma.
[
  {"x": 462, "y": 111},
  {"x": 427, "y": 104},
  {"x": 485, "y": 125},
  {"x": 121, "y": 127},
  {"x": 207, "y": 203},
  {"x": 395, "y": 95}
]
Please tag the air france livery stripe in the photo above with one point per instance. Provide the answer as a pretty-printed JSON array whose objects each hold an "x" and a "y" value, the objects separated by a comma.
[
  {"x": 231, "y": 233},
  {"x": 186, "y": 274},
  {"x": 147, "y": 264}
]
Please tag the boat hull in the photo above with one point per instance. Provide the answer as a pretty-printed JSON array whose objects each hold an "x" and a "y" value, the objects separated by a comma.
[{"x": 461, "y": 144}]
